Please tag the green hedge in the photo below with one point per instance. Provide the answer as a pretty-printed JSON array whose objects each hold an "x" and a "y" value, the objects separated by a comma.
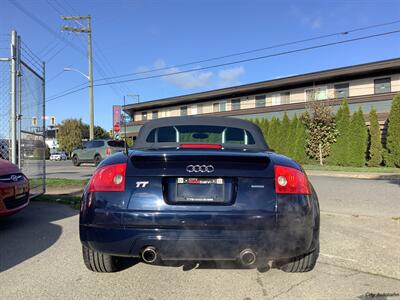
[{"x": 355, "y": 145}]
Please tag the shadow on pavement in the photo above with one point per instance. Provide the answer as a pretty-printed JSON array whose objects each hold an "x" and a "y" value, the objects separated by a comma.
[
  {"x": 30, "y": 232},
  {"x": 395, "y": 181},
  {"x": 210, "y": 264}
]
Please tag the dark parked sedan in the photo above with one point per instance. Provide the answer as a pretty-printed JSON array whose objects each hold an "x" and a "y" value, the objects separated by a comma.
[
  {"x": 14, "y": 189},
  {"x": 200, "y": 188}
]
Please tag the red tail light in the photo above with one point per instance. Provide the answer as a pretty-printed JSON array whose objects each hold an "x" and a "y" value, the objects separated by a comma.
[
  {"x": 109, "y": 178},
  {"x": 291, "y": 181},
  {"x": 201, "y": 146},
  {"x": 108, "y": 151}
]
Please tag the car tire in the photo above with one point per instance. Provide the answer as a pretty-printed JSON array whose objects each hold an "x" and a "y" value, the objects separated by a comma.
[
  {"x": 97, "y": 160},
  {"x": 304, "y": 263},
  {"x": 75, "y": 161},
  {"x": 99, "y": 262}
]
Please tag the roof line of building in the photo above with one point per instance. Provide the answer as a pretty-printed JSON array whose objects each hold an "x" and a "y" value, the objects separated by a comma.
[{"x": 287, "y": 82}]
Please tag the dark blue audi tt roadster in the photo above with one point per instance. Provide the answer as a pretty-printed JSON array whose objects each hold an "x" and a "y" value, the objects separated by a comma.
[{"x": 200, "y": 188}]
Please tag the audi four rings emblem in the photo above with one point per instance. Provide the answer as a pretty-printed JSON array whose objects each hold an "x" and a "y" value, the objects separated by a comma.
[{"x": 200, "y": 168}]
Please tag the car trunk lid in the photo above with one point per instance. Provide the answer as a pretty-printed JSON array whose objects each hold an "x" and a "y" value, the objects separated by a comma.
[{"x": 200, "y": 163}]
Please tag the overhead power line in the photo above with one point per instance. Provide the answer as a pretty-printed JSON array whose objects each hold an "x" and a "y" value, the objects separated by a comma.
[
  {"x": 238, "y": 61},
  {"x": 339, "y": 33},
  {"x": 44, "y": 25}
]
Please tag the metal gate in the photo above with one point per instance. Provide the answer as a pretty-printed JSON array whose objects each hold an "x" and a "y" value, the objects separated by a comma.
[{"x": 22, "y": 112}]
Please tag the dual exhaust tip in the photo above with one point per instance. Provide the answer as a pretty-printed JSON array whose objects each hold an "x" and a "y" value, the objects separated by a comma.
[
  {"x": 149, "y": 254},
  {"x": 247, "y": 257}
]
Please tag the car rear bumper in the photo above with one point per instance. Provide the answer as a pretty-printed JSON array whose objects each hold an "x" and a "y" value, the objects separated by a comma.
[{"x": 187, "y": 243}]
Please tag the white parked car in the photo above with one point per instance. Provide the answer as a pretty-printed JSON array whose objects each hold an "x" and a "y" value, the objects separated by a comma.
[{"x": 58, "y": 156}]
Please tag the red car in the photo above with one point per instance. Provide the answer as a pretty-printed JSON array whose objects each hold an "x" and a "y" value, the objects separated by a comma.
[{"x": 14, "y": 189}]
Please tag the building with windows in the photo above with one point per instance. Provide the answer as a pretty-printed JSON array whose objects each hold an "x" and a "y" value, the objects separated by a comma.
[{"x": 367, "y": 85}]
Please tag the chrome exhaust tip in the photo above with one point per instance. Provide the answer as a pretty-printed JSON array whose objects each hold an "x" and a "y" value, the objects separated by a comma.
[
  {"x": 247, "y": 257},
  {"x": 149, "y": 255}
]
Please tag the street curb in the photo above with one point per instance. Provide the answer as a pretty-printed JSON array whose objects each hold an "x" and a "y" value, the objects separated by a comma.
[{"x": 360, "y": 175}]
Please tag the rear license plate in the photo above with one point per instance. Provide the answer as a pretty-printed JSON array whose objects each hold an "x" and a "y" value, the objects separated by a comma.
[{"x": 200, "y": 189}]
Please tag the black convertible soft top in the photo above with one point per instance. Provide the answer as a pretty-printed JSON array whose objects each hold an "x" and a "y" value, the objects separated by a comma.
[{"x": 142, "y": 139}]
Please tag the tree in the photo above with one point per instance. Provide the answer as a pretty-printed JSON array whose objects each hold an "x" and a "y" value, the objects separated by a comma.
[
  {"x": 284, "y": 132},
  {"x": 264, "y": 127},
  {"x": 299, "y": 152},
  {"x": 392, "y": 149},
  {"x": 273, "y": 133},
  {"x": 340, "y": 151},
  {"x": 375, "y": 145},
  {"x": 358, "y": 140},
  {"x": 291, "y": 139},
  {"x": 321, "y": 130},
  {"x": 99, "y": 132},
  {"x": 70, "y": 134}
]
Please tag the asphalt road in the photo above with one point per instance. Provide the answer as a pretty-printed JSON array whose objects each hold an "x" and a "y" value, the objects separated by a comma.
[{"x": 40, "y": 256}]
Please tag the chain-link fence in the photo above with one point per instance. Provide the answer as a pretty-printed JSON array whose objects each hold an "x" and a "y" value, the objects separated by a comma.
[
  {"x": 4, "y": 109},
  {"x": 22, "y": 113},
  {"x": 32, "y": 148}
]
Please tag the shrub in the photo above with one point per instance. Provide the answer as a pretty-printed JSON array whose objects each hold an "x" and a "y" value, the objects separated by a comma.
[
  {"x": 340, "y": 151},
  {"x": 375, "y": 145},
  {"x": 321, "y": 130},
  {"x": 358, "y": 140},
  {"x": 263, "y": 123},
  {"x": 272, "y": 134},
  {"x": 291, "y": 136},
  {"x": 299, "y": 149},
  {"x": 392, "y": 149},
  {"x": 284, "y": 132}
]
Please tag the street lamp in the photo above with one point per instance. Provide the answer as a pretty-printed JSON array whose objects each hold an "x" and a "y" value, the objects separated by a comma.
[{"x": 91, "y": 104}]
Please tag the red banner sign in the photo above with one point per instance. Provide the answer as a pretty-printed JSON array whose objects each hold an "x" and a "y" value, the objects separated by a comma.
[{"x": 116, "y": 118}]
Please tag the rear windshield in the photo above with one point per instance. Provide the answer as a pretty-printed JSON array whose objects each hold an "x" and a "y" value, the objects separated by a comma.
[
  {"x": 200, "y": 134},
  {"x": 118, "y": 144}
]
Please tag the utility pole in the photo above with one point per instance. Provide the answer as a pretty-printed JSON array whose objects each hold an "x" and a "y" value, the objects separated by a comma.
[
  {"x": 87, "y": 30},
  {"x": 14, "y": 96}
]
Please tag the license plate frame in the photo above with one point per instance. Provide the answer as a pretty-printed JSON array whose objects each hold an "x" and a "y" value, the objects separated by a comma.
[{"x": 200, "y": 190}]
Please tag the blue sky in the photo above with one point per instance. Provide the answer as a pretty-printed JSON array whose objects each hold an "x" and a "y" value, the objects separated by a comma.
[{"x": 134, "y": 36}]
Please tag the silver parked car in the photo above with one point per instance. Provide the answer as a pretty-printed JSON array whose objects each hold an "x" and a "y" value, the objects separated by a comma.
[{"x": 58, "y": 156}]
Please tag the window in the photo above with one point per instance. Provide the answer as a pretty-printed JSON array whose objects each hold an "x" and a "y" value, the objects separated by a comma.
[
  {"x": 215, "y": 107},
  {"x": 222, "y": 106},
  {"x": 200, "y": 134},
  {"x": 87, "y": 145},
  {"x": 276, "y": 99},
  {"x": 285, "y": 98},
  {"x": 318, "y": 93},
  {"x": 193, "y": 110},
  {"x": 382, "y": 85},
  {"x": 115, "y": 143},
  {"x": 95, "y": 144},
  {"x": 260, "y": 101},
  {"x": 235, "y": 104},
  {"x": 184, "y": 111},
  {"x": 154, "y": 114},
  {"x": 341, "y": 90},
  {"x": 199, "y": 109},
  {"x": 144, "y": 115},
  {"x": 165, "y": 135}
]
